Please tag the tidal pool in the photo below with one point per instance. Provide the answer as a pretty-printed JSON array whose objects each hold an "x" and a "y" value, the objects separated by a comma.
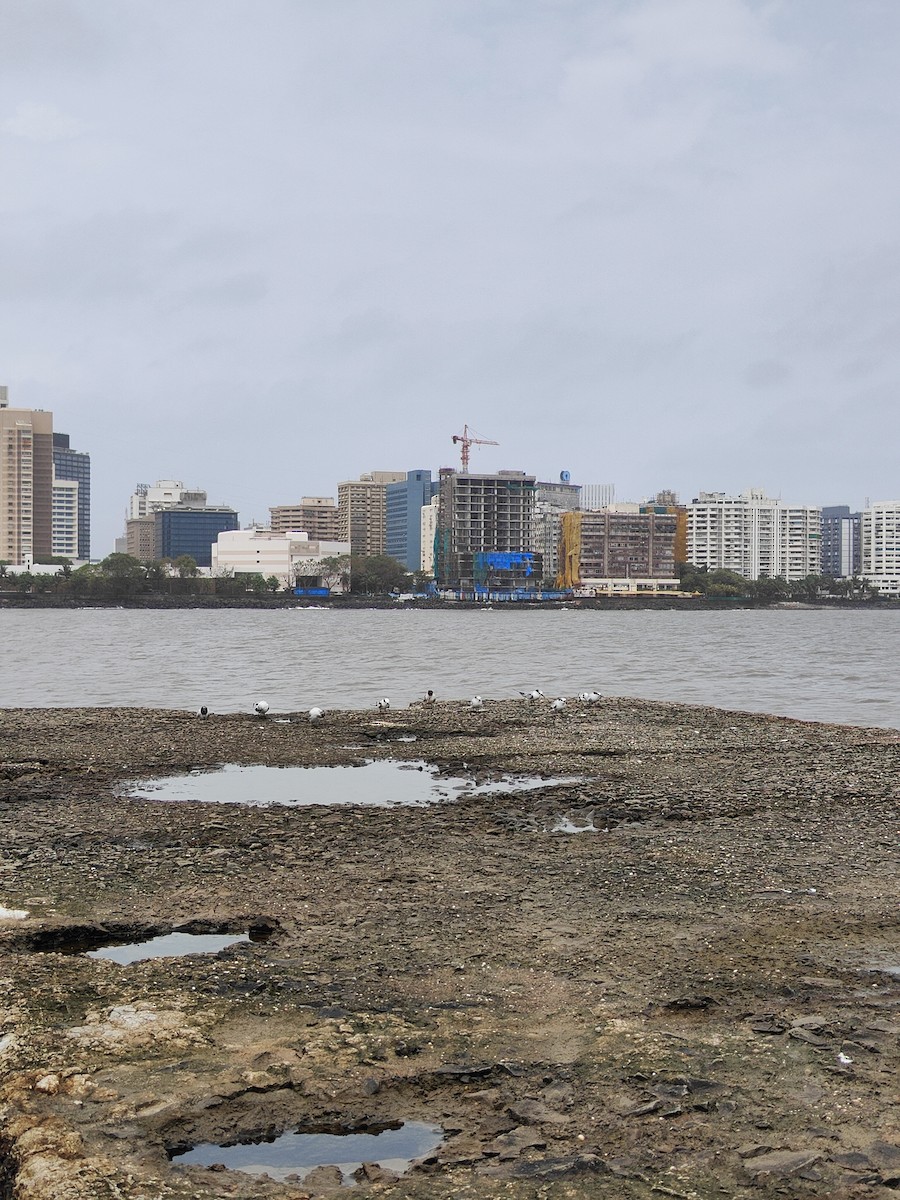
[
  {"x": 169, "y": 945},
  {"x": 381, "y": 784},
  {"x": 392, "y": 1146}
]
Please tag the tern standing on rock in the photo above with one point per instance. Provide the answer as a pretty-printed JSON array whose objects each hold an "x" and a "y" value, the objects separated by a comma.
[
  {"x": 383, "y": 704},
  {"x": 261, "y": 708}
]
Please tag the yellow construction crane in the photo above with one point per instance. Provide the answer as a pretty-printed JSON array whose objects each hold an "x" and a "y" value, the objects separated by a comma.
[{"x": 466, "y": 440}]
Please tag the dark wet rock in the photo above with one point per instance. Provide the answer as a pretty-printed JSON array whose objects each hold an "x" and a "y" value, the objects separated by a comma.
[
  {"x": 644, "y": 1110},
  {"x": 804, "y": 1035},
  {"x": 766, "y": 1023},
  {"x": 781, "y": 1162},
  {"x": 854, "y": 1160},
  {"x": 561, "y": 1168},
  {"x": 373, "y": 1173},
  {"x": 510, "y": 1145},
  {"x": 689, "y": 1002},
  {"x": 753, "y": 1149},
  {"x": 533, "y": 1112}
]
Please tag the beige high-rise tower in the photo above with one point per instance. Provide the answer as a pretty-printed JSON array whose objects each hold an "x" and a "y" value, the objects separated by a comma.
[
  {"x": 362, "y": 511},
  {"x": 26, "y": 484}
]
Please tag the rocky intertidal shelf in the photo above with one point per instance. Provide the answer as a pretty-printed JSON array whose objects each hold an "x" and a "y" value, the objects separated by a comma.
[{"x": 666, "y": 963}]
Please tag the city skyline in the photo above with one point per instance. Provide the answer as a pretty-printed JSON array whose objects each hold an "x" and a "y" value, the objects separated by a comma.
[{"x": 652, "y": 243}]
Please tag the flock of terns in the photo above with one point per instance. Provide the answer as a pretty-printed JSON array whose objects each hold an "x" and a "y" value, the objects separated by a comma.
[{"x": 476, "y": 704}]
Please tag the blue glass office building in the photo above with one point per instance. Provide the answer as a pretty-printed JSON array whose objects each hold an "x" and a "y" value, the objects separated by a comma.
[
  {"x": 73, "y": 464},
  {"x": 185, "y": 530},
  {"x": 404, "y": 502}
]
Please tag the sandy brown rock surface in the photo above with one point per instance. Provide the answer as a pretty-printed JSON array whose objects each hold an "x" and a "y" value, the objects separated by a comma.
[{"x": 695, "y": 997}]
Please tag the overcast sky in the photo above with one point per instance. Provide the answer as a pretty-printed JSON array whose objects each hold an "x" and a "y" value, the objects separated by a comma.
[{"x": 262, "y": 246}]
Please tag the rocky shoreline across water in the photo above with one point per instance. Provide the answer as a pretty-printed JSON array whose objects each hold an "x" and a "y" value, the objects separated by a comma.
[{"x": 675, "y": 974}]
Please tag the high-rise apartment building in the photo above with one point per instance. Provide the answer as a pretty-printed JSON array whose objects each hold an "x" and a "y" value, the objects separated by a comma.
[
  {"x": 841, "y": 542},
  {"x": 66, "y": 524},
  {"x": 140, "y": 537},
  {"x": 754, "y": 535},
  {"x": 485, "y": 531},
  {"x": 881, "y": 546},
  {"x": 551, "y": 500},
  {"x": 26, "y": 484},
  {"x": 362, "y": 511},
  {"x": 315, "y": 515},
  {"x": 404, "y": 502},
  {"x": 73, "y": 466},
  {"x": 622, "y": 547}
]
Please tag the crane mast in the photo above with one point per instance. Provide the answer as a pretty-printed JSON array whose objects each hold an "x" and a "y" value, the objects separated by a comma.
[{"x": 466, "y": 440}]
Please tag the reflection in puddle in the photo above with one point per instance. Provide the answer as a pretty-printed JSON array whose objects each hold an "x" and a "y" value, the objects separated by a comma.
[
  {"x": 393, "y": 1147},
  {"x": 169, "y": 945},
  {"x": 568, "y": 825},
  {"x": 382, "y": 784}
]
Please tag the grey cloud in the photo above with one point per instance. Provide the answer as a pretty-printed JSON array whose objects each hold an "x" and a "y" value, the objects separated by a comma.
[
  {"x": 623, "y": 238},
  {"x": 766, "y": 374},
  {"x": 51, "y": 34}
]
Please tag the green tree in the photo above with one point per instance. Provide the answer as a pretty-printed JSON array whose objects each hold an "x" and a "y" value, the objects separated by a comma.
[
  {"x": 157, "y": 573},
  {"x": 809, "y": 588},
  {"x": 726, "y": 583},
  {"x": 84, "y": 580},
  {"x": 186, "y": 566},
  {"x": 273, "y": 583},
  {"x": 333, "y": 571},
  {"x": 123, "y": 575},
  {"x": 770, "y": 591},
  {"x": 251, "y": 581},
  {"x": 377, "y": 575}
]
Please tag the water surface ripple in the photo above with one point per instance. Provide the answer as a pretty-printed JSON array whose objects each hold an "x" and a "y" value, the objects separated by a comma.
[{"x": 808, "y": 663}]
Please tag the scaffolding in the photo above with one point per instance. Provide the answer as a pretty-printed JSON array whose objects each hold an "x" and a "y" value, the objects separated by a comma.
[{"x": 569, "y": 550}]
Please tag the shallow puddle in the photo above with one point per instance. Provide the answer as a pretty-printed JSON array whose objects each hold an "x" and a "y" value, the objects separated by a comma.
[
  {"x": 169, "y": 945},
  {"x": 570, "y": 825},
  {"x": 393, "y": 1147},
  {"x": 381, "y": 784}
]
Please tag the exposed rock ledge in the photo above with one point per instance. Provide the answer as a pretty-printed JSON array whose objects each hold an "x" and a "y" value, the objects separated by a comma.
[{"x": 697, "y": 997}]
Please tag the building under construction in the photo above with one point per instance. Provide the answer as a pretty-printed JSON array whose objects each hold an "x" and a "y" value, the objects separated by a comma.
[
  {"x": 485, "y": 532},
  {"x": 622, "y": 548}
]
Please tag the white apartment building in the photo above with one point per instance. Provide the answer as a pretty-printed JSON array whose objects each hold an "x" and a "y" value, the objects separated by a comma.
[
  {"x": 428, "y": 529},
  {"x": 754, "y": 535},
  {"x": 880, "y": 535},
  {"x": 65, "y": 518},
  {"x": 288, "y": 556}
]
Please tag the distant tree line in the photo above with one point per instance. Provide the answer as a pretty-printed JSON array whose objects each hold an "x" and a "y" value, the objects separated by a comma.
[
  {"x": 121, "y": 577},
  {"x": 765, "y": 590}
]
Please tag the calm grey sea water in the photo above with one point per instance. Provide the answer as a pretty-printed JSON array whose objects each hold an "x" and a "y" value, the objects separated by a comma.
[{"x": 812, "y": 664}]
